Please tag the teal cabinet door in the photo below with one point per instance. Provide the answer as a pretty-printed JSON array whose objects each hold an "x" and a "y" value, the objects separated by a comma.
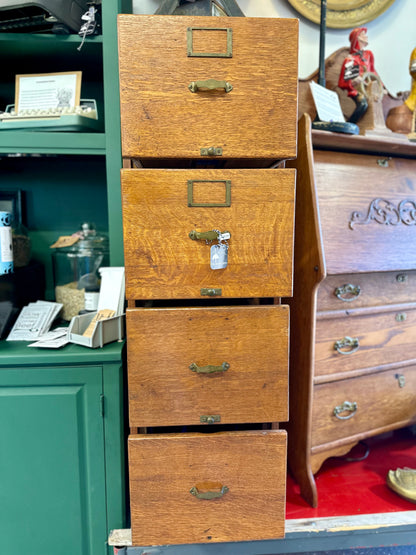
[{"x": 52, "y": 463}]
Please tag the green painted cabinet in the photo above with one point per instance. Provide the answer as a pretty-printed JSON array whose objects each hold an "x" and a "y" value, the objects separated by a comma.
[{"x": 62, "y": 458}]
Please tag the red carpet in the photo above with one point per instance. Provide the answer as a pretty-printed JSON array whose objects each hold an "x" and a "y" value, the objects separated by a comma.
[{"x": 351, "y": 488}]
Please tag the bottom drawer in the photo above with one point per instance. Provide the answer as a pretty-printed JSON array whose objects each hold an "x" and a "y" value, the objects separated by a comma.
[
  {"x": 376, "y": 402},
  {"x": 215, "y": 487}
]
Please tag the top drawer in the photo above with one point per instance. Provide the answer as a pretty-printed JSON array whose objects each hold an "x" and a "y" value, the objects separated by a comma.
[{"x": 192, "y": 83}]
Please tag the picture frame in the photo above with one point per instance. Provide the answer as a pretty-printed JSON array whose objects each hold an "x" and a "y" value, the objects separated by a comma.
[
  {"x": 37, "y": 91},
  {"x": 11, "y": 201}
]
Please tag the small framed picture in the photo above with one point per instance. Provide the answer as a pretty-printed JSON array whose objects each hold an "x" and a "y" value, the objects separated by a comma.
[
  {"x": 11, "y": 201},
  {"x": 48, "y": 90}
]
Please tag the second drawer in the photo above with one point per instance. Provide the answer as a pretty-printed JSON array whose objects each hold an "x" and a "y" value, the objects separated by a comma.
[{"x": 189, "y": 364}]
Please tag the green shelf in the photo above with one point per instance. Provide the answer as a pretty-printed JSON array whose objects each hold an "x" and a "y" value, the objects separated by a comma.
[{"x": 47, "y": 142}]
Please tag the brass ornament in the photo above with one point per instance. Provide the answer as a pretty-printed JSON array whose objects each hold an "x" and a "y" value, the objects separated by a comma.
[
  {"x": 342, "y": 14},
  {"x": 403, "y": 482}
]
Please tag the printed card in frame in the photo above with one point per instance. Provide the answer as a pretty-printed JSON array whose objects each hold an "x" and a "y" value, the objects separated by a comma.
[{"x": 48, "y": 90}]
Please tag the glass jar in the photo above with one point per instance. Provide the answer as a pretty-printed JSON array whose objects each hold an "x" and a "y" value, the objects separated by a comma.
[{"x": 75, "y": 269}]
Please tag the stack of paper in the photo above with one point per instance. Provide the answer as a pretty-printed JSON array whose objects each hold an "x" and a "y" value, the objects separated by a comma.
[
  {"x": 52, "y": 340},
  {"x": 34, "y": 320}
]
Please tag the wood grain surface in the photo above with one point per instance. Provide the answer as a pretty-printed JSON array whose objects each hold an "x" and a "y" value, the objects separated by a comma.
[
  {"x": 161, "y": 118},
  {"x": 385, "y": 335},
  {"x": 382, "y": 405},
  {"x": 376, "y": 289},
  {"x": 378, "y": 240},
  {"x": 163, "y": 343},
  {"x": 163, "y": 469},
  {"x": 162, "y": 262}
]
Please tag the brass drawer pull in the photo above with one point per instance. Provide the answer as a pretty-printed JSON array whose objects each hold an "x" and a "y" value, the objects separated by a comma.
[
  {"x": 210, "y": 85},
  {"x": 209, "y": 369},
  {"x": 211, "y": 292},
  {"x": 204, "y": 235},
  {"x": 347, "y": 292},
  {"x": 208, "y": 494},
  {"x": 346, "y": 406},
  {"x": 210, "y": 418},
  {"x": 350, "y": 343}
]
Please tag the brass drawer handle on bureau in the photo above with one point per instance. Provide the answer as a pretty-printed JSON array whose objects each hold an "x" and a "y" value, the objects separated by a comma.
[
  {"x": 352, "y": 343},
  {"x": 346, "y": 406},
  {"x": 347, "y": 292},
  {"x": 210, "y": 85},
  {"x": 209, "y": 369},
  {"x": 208, "y": 494}
]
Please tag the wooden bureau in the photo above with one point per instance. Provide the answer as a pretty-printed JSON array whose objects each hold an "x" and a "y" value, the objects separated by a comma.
[
  {"x": 353, "y": 312},
  {"x": 208, "y": 222}
]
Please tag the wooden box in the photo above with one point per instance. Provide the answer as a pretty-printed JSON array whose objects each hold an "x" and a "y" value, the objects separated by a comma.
[
  {"x": 187, "y": 363},
  {"x": 210, "y": 87},
  {"x": 170, "y": 474},
  {"x": 162, "y": 207}
]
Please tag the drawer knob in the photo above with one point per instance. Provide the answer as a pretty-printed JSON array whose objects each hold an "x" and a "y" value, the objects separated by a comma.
[
  {"x": 209, "y": 369},
  {"x": 210, "y": 85},
  {"x": 208, "y": 494},
  {"x": 347, "y": 292},
  {"x": 346, "y": 406},
  {"x": 350, "y": 343}
]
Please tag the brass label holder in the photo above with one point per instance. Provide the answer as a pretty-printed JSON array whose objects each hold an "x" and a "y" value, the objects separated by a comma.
[
  {"x": 227, "y": 199},
  {"x": 190, "y": 48}
]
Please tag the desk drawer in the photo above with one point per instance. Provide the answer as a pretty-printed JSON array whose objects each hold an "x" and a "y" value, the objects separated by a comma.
[
  {"x": 187, "y": 363},
  {"x": 246, "y": 470},
  {"x": 377, "y": 402},
  {"x": 365, "y": 338},
  {"x": 161, "y": 208},
  {"x": 345, "y": 292},
  {"x": 162, "y": 56}
]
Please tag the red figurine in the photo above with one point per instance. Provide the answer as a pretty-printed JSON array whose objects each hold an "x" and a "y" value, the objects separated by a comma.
[{"x": 355, "y": 65}]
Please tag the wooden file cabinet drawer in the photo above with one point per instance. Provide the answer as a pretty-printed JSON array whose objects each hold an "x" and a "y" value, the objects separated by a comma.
[
  {"x": 162, "y": 207},
  {"x": 378, "y": 401},
  {"x": 169, "y": 472},
  {"x": 365, "y": 338},
  {"x": 163, "y": 115},
  {"x": 188, "y": 363},
  {"x": 344, "y": 292}
]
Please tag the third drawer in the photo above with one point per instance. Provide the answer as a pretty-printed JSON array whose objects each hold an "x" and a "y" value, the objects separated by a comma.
[{"x": 189, "y": 364}]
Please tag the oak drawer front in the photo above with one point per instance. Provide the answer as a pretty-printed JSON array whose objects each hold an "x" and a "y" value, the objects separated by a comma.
[
  {"x": 185, "y": 364},
  {"x": 344, "y": 292},
  {"x": 162, "y": 117},
  {"x": 366, "y": 405},
  {"x": 245, "y": 470},
  {"x": 365, "y": 339},
  {"x": 367, "y": 212},
  {"x": 162, "y": 261}
]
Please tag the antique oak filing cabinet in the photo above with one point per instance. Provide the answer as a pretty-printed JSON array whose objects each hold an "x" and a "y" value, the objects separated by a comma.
[
  {"x": 353, "y": 310},
  {"x": 208, "y": 113}
]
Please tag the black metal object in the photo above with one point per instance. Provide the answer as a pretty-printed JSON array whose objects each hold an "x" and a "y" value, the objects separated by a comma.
[
  {"x": 199, "y": 7},
  {"x": 335, "y": 126}
]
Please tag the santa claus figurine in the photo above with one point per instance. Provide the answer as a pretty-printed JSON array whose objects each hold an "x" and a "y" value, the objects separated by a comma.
[{"x": 355, "y": 65}]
